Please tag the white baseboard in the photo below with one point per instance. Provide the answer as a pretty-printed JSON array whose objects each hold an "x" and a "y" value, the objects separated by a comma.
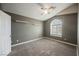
[
  {"x": 26, "y": 42},
  {"x": 41, "y": 38},
  {"x": 61, "y": 41}
]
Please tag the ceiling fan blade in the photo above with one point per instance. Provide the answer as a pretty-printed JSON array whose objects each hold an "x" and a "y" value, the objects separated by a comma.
[{"x": 41, "y": 5}]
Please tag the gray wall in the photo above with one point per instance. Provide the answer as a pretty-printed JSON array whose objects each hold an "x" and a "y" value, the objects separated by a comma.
[
  {"x": 69, "y": 28},
  {"x": 78, "y": 32},
  {"x": 0, "y": 6},
  {"x": 25, "y": 32}
]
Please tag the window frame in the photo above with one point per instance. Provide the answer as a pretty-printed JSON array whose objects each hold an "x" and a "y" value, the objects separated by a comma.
[{"x": 52, "y": 24}]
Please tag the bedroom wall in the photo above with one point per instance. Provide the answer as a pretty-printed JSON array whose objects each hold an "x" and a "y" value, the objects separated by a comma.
[
  {"x": 69, "y": 30},
  {"x": 78, "y": 32},
  {"x": 0, "y": 6},
  {"x": 24, "y": 32}
]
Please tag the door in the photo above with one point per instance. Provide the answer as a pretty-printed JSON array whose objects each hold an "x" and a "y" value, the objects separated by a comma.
[{"x": 5, "y": 33}]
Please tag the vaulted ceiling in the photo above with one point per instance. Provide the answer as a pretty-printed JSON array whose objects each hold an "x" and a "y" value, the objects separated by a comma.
[{"x": 33, "y": 10}]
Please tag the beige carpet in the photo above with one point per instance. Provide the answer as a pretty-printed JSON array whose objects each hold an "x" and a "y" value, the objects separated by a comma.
[{"x": 43, "y": 47}]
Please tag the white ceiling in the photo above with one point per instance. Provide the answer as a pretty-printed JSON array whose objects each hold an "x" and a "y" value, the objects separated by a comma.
[{"x": 33, "y": 10}]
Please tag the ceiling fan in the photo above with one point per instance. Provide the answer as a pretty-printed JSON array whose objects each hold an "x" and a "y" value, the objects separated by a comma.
[{"x": 46, "y": 10}]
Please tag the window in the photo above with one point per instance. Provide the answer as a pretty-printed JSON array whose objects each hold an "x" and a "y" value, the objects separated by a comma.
[{"x": 56, "y": 28}]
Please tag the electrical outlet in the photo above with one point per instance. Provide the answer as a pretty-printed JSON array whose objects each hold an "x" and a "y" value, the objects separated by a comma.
[{"x": 17, "y": 41}]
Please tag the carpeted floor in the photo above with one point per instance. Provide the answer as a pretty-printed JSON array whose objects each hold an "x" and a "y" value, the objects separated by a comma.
[{"x": 43, "y": 47}]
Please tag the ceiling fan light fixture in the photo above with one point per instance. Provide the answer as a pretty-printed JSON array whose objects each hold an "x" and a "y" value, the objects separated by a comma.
[{"x": 47, "y": 10}]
